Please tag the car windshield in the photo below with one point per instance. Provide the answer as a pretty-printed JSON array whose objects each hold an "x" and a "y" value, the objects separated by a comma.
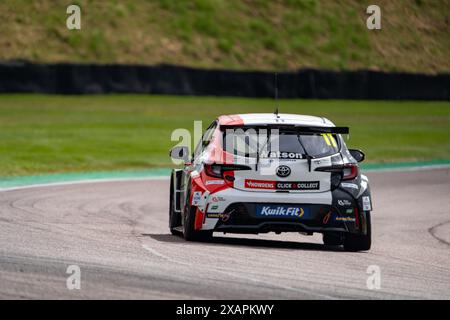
[{"x": 279, "y": 144}]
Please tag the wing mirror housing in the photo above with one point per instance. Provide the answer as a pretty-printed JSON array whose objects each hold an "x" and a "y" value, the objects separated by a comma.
[
  {"x": 358, "y": 155},
  {"x": 180, "y": 153}
]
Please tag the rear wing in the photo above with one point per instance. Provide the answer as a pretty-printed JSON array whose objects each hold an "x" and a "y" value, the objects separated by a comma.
[{"x": 293, "y": 127}]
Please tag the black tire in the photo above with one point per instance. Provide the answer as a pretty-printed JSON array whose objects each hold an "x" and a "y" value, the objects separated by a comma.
[
  {"x": 359, "y": 242},
  {"x": 332, "y": 239},
  {"x": 174, "y": 217},
  {"x": 189, "y": 233}
]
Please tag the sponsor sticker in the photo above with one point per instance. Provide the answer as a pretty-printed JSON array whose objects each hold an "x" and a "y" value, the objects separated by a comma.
[
  {"x": 345, "y": 219},
  {"x": 213, "y": 215},
  {"x": 366, "y": 203},
  {"x": 344, "y": 203},
  {"x": 223, "y": 216},
  {"x": 281, "y": 155},
  {"x": 350, "y": 185},
  {"x": 196, "y": 198},
  {"x": 214, "y": 182},
  {"x": 217, "y": 199},
  {"x": 274, "y": 185},
  {"x": 310, "y": 185},
  {"x": 282, "y": 211},
  {"x": 260, "y": 184}
]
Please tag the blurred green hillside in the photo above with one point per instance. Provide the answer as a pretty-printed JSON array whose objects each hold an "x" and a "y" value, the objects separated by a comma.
[{"x": 236, "y": 34}]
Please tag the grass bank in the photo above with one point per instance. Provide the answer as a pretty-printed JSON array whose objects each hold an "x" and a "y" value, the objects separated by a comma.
[{"x": 236, "y": 34}]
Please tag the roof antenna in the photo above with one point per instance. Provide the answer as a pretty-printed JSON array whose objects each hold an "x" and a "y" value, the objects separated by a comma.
[{"x": 276, "y": 95}]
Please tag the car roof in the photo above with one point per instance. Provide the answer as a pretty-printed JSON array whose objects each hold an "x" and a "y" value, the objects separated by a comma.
[{"x": 271, "y": 118}]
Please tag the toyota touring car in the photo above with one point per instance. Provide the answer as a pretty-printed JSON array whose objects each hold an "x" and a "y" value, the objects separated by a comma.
[{"x": 259, "y": 173}]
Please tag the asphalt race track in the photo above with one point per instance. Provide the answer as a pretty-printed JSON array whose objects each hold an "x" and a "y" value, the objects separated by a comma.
[{"x": 116, "y": 232}]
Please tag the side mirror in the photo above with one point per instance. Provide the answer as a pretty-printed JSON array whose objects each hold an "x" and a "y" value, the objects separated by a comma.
[
  {"x": 180, "y": 153},
  {"x": 358, "y": 155}
]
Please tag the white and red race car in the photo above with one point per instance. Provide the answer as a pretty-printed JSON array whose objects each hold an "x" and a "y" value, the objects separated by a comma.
[{"x": 255, "y": 173}]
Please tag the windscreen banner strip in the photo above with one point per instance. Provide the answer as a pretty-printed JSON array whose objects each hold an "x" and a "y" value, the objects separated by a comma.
[{"x": 299, "y": 129}]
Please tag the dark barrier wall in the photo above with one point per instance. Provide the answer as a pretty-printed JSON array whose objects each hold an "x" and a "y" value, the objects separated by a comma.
[{"x": 67, "y": 78}]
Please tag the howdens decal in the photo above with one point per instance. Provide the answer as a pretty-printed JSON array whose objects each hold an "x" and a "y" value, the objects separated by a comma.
[{"x": 276, "y": 185}]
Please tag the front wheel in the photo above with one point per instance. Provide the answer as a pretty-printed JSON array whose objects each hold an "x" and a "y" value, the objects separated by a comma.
[{"x": 359, "y": 242}]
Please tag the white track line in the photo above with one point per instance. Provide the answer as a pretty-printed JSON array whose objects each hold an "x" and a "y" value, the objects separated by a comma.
[
  {"x": 68, "y": 183},
  {"x": 162, "y": 256},
  {"x": 405, "y": 169},
  {"x": 101, "y": 180}
]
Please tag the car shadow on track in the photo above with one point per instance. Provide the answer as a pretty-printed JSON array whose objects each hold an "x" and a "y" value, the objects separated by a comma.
[{"x": 247, "y": 242}]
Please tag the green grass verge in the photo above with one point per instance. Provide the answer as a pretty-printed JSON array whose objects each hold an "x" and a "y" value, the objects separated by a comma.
[
  {"x": 164, "y": 173},
  {"x": 51, "y": 134}
]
